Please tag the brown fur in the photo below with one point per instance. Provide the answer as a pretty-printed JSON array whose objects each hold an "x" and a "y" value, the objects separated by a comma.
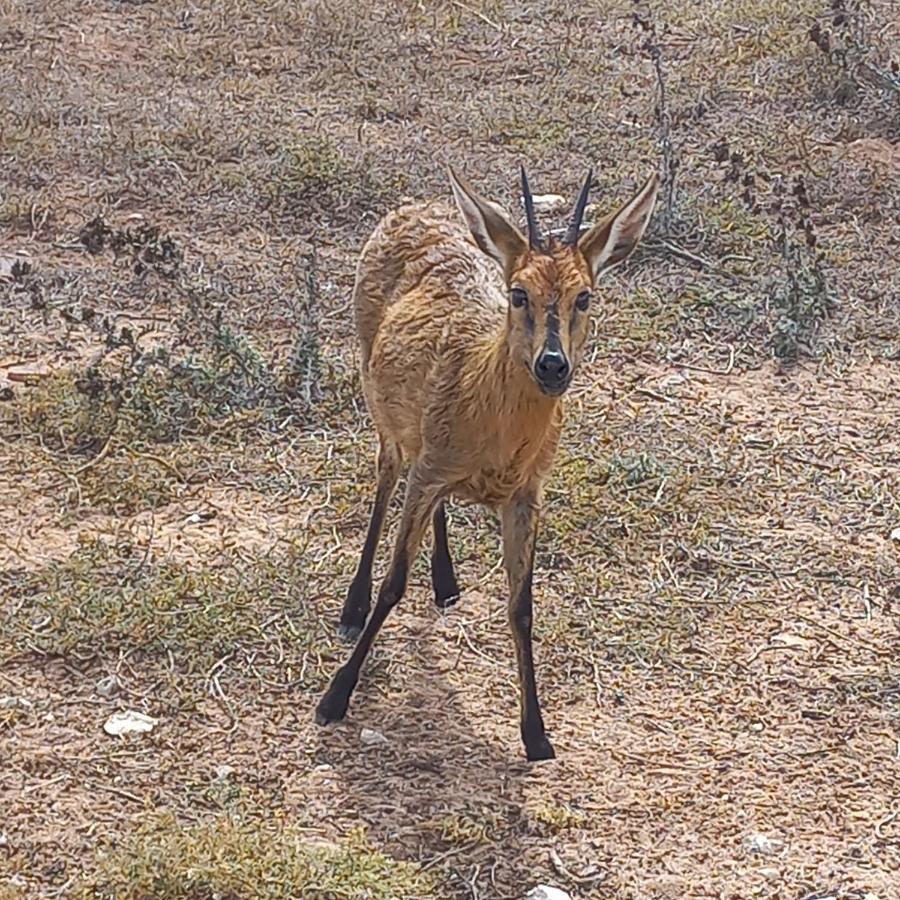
[{"x": 449, "y": 372}]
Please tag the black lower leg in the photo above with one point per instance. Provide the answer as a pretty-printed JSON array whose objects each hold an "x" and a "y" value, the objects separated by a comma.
[
  {"x": 443, "y": 578},
  {"x": 534, "y": 736},
  {"x": 520, "y": 517},
  {"x": 359, "y": 596},
  {"x": 333, "y": 705}
]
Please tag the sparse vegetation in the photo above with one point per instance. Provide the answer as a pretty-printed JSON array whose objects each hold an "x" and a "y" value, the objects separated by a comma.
[
  {"x": 178, "y": 621},
  {"x": 803, "y": 299},
  {"x": 185, "y": 457},
  {"x": 468, "y": 828},
  {"x": 556, "y": 818},
  {"x": 249, "y": 858}
]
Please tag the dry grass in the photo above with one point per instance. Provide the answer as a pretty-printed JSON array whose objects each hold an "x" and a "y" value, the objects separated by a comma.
[
  {"x": 188, "y": 468},
  {"x": 245, "y": 856}
]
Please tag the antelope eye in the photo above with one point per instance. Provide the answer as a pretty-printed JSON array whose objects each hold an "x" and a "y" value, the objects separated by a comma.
[
  {"x": 518, "y": 298},
  {"x": 583, "y": 300}
]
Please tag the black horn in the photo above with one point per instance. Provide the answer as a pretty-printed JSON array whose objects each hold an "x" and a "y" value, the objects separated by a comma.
[
  {"x": 534, "y": 234},
  {"x": 574, "y": 229}
]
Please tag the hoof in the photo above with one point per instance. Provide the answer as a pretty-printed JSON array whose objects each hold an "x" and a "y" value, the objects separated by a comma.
[
  {"x": 540, "y": 749},
  {"x": 331, "y": 709},
  {"x": 349, "y": 633},
  {"x": 446, "y": 593},
  {"x": 445, "y": 601}
]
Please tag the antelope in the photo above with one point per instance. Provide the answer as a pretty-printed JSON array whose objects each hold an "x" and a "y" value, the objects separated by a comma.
[{"x": 464, "y": 377}]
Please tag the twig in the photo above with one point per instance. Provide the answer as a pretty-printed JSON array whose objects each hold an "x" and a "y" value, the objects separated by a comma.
[
  {"x": 726, "y": 371},
  {"x": 681, "y": 253},
  {"x": 885, "y": 821},
  {"x": 853, "y": 642},
  {"x": 578, "y": 879},
  {"x": 162, "y": 462},
  {"x": 655, "y": 396},
  {"x": 122, "y": 793},
  {"x": 442, "y": 856},
  {"x": 95, "y": 459},
  {"x": 477, "y": 14}
]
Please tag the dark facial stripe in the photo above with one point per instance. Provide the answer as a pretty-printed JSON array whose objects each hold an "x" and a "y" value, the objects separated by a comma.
[{"x": 552, "y": 340}]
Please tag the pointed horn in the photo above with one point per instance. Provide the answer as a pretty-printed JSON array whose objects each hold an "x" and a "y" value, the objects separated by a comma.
[
  {"x": 574, "y": 229},
  {"x": 534, "y": 234}
]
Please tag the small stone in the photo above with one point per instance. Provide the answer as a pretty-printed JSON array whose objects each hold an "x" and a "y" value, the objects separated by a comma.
[
  {"x": 674, "y": 380},
  {"x": 757, "y": 726},
  {"x": 548, "y": 202},
  {"x": 4, "y": 840},
  {"x": 108, "y": 686},
  {"x": 223, "y": 771},
  {"x": 10, "y": 265},
  {"x": 546, "y": 892},
  {"x": 895, "y": 536},
  {"x": 372, "y": 738},
  {"x": 15, "y": 703},
  {"x": 129, "y": 722},
  {"x": 761, "y": 843},
  {"x": 770, "y": 873}
]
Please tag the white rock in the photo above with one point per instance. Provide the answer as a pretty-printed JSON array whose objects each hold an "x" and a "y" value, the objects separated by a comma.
[
  {"x": 7, "y": 263},
  {"x": 372, "y": 738},
  {"x": 761, "y": 843},
  {"x": 107, "y": 686},
  {"x": 15, "y": 703},
  {"x": 223, "y": 771},
  {"x": 674, "y": 380},
  {"x": 757, "y": 726},
  {"x": 895, "y": 536},
  {"x": 770, "y": 873},
  {"x": 129, "y": 722},
  {"x": 545, "y": 892},
  {"x": 548, "y": 202}
]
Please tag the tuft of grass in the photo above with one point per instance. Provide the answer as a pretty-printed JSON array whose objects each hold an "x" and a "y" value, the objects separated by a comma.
[
  {"x": 536, "y": 136},
  {"x": 119, "y": 439},
  {"x": 802, "y": 298},
  {"x": 313, "y": 174},
  {"x": 127, "y": 482},
  {"x": 463, "y": 828},
  {"x": 558, "y": 817},
  {"x": 248, "y": 858},
  {"x": 312, "y": 163},
  {"x": 25, "y": 211},
  {"x": 64, "y": 415}
]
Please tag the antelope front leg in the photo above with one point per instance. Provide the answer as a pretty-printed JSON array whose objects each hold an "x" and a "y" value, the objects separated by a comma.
[
  {"x": 421, "y": 497},
  {"x": 520, "y": 519}
]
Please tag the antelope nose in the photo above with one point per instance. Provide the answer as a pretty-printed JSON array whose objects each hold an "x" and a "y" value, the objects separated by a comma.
[{"x": 551, "y": 368}]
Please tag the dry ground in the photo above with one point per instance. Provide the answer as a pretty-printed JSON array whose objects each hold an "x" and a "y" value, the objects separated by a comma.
[{"x": 185, "y": 464}]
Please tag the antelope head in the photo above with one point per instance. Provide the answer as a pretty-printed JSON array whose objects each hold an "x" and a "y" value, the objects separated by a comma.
[{"x": 550, "y": 281}]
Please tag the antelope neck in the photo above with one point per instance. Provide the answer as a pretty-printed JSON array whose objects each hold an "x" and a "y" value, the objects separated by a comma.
[{"x": 508, "y": 388}]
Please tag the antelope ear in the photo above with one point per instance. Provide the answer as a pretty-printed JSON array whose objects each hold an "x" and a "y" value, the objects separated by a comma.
[
  {"x": 488, "y": 223},
  {"x": 613, "y": 240}
]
